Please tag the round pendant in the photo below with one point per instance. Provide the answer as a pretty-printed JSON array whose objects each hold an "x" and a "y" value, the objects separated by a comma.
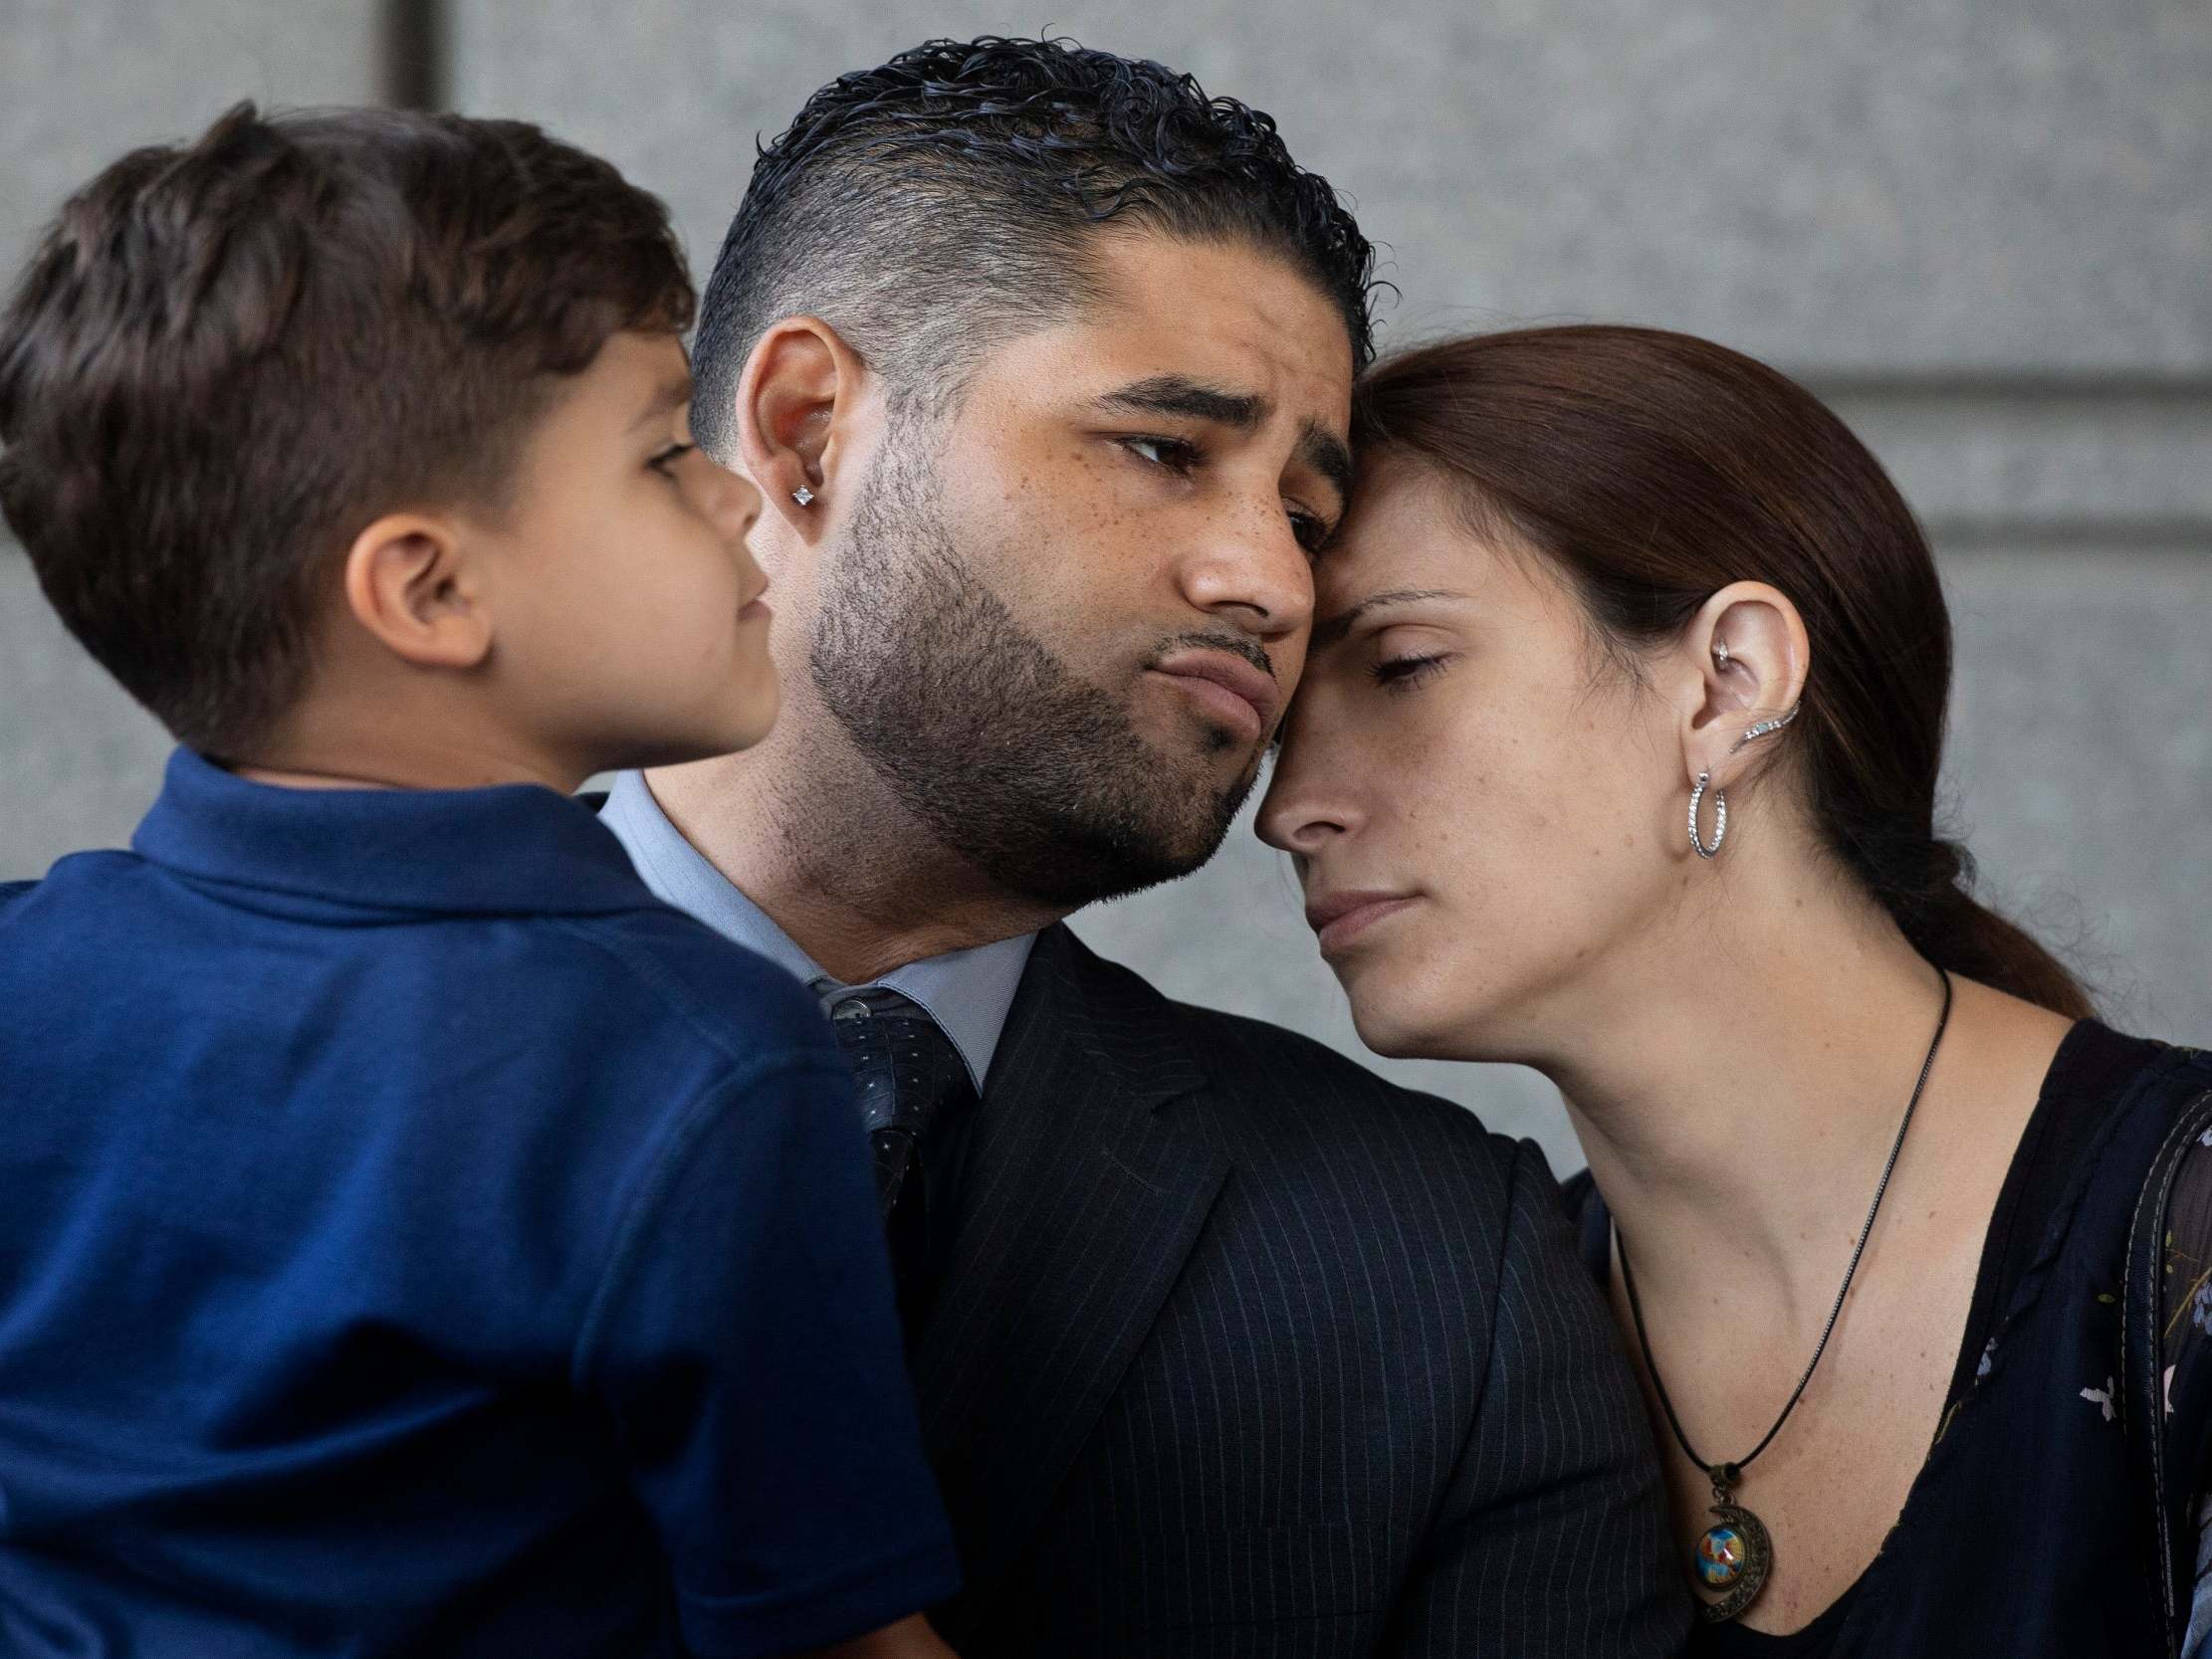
[{"x": 1733, "y": 1558}]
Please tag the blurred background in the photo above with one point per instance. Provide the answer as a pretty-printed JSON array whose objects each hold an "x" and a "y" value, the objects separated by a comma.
[{"x": 1981, "y": 228}]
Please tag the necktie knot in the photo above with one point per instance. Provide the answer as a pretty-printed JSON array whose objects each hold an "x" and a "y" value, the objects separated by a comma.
[
  {"x": 908, "y": 1075},
  {"x": 906, "y": 1069}
]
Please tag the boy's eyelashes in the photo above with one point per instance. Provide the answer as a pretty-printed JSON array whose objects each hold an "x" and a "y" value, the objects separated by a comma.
[
  {"x": 1181, "y": 457},
  {"x": 667, "y": 458}
]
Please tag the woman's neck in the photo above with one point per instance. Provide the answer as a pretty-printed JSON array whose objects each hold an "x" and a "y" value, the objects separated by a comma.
[{"x": 1737, "y": 1096}]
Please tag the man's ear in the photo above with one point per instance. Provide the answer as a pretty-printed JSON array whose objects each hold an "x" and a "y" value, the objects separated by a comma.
[
  {"x": 408, "y": 581},
  {"x": 1740, "y": 664},
  {"x": 798, "y": 403}
]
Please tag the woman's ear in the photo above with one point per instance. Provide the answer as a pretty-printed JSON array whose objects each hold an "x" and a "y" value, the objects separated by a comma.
[
  {"x": 1742, "y": 670},
  {"x": 798, "y": 401},
  {"x": 409, "y": 582}
]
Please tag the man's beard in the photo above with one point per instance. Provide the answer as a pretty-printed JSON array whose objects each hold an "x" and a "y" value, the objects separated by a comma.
[{"x": 997, "y": 748}]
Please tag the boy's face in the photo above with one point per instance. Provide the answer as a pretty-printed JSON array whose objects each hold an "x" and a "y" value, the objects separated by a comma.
[{"x": 630, "y": 626}]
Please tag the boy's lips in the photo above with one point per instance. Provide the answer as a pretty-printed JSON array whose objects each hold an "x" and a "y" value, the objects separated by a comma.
[{"x": 756, "y": 602}]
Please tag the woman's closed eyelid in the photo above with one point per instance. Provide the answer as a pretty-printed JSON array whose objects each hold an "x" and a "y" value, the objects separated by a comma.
[{"x": 1402, "y": 673}]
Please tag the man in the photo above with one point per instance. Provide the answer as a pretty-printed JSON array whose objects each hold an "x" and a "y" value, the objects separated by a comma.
[{"x": 1222, "y": 1345}]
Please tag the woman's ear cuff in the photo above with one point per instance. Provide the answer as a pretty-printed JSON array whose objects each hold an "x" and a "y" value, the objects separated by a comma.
[{"x": 1765, "y": 726}]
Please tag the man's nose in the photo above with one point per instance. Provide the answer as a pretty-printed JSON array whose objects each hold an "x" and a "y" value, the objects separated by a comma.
[{"x": 1252, "y": 573}]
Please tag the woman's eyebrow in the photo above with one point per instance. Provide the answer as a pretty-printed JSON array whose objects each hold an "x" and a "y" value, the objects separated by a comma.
[{"x": 1332, "y": 629}]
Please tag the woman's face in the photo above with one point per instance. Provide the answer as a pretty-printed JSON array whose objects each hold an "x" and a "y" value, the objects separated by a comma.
[{"x": 1484, "y": 811}]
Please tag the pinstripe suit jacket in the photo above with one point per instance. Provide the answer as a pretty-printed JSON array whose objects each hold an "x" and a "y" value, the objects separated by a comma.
[{"x": 1240, "y": 1350}]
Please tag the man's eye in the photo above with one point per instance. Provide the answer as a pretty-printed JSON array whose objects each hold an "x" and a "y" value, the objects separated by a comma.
[
  {"x": 667, "y": 459},
  {"x": 1177, "y": 454},
  {"x": 1312, "y": 530}
]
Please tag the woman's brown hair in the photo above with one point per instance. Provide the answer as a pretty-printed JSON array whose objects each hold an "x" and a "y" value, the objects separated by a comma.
[{"x": 1654, "y": 469}]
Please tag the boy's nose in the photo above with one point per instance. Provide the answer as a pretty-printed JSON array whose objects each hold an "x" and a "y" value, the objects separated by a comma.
[
  {"x": 741, "y": 502},
  {"x": 746, "y": 505}
]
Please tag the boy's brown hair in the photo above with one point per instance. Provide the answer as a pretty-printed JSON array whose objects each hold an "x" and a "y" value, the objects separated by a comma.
[{"x": 225, "y": 359}]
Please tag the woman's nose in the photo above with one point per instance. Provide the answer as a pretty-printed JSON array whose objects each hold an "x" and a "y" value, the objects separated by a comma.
[{"x": 1306, "y": 810}]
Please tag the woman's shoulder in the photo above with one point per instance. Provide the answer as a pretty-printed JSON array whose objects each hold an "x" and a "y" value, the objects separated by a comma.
[
  {"x": 2099, "y": 1119},
  {"x": 2100, "y": 1065}
]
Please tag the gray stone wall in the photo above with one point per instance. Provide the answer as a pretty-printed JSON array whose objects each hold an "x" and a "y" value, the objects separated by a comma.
[
  {"x": 1982, "y": 231},
  {"x": 80, "y": 82}
]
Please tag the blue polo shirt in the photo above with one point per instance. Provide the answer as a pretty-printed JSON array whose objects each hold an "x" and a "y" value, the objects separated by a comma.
[{"x": 417, "y": 1239}]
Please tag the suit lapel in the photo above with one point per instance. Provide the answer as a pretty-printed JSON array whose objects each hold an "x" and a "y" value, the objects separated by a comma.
[{"x": 1081, "y": 1199}]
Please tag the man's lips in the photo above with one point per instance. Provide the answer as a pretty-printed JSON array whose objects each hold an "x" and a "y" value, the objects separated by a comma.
[
  {"x": 1339, "y": 916},
  {"x": 1230, "y": 689}
]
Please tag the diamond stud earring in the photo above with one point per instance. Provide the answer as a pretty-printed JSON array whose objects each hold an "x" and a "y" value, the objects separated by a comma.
[
  {"x": 804, "y": 496},
  {"x": 1720, "y": 653}
]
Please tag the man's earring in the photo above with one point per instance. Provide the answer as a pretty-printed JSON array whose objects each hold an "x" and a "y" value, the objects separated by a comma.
[
  {"x": 1720, "y": 817},
  {"x": 804, "y": 496}
]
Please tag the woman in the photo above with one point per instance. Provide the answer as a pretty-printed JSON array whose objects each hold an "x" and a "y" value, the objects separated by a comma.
[{"x": 1616, "y": 757}]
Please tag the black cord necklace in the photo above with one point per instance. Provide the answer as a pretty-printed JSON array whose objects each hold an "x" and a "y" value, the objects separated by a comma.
[{"x": 1735, "y": 1555}]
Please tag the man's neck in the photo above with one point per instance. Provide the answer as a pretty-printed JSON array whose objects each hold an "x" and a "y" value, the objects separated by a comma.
[{"x": 831, "y": 857}]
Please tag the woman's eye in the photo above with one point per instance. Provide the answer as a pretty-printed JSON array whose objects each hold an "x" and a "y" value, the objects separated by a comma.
[
  {"x": 667, "y": 459},
  {"x": 1401, "y": 673},
  {"x": 1177, "y": 454}
]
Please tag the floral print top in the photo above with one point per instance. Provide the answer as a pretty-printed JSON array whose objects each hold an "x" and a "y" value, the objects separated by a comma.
[{"x": 2026, "y": 1532}]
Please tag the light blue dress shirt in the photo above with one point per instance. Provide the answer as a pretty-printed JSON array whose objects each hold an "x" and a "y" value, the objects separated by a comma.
[{"x": 966, "y": 993}]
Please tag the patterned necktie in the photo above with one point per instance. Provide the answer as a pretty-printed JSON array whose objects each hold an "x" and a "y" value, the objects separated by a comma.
[{"x": 908, "y": 1073}]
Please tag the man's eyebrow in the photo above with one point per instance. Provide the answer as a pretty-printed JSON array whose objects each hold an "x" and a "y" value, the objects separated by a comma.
[
  {"x": 1177, "y": 394},
  {"x": 1332, "y": 629},
  {"x": 1326, "y": 453},
  {"x": 672, "y": 393}
]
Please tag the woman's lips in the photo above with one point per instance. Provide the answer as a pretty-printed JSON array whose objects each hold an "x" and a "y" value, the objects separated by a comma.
[{"x": 1342, "y": 917}]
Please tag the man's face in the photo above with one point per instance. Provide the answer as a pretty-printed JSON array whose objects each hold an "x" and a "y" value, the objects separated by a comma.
[{"x": 1071, "y": 610}]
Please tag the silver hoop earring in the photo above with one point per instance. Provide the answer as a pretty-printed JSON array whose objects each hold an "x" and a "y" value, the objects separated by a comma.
[
  {"x": 804, "y": 496},
  {"x": 1765, "y": 726},
  {"x": 1720, "y": 817}
]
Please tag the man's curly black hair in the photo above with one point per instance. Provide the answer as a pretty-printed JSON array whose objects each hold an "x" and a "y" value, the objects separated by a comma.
[{"x": 941, "y": 204}]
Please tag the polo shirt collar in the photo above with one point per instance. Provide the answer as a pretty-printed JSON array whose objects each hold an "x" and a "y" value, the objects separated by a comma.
[{"x": 511, "y": 848}]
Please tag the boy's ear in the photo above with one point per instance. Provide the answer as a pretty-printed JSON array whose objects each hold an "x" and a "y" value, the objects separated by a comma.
[
  {"x": 408, "y": 582},
  {"x": 797, "y": 402}
]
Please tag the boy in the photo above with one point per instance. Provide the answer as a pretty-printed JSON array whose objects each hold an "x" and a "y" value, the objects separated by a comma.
[{"x": 413, "y": 1237}]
